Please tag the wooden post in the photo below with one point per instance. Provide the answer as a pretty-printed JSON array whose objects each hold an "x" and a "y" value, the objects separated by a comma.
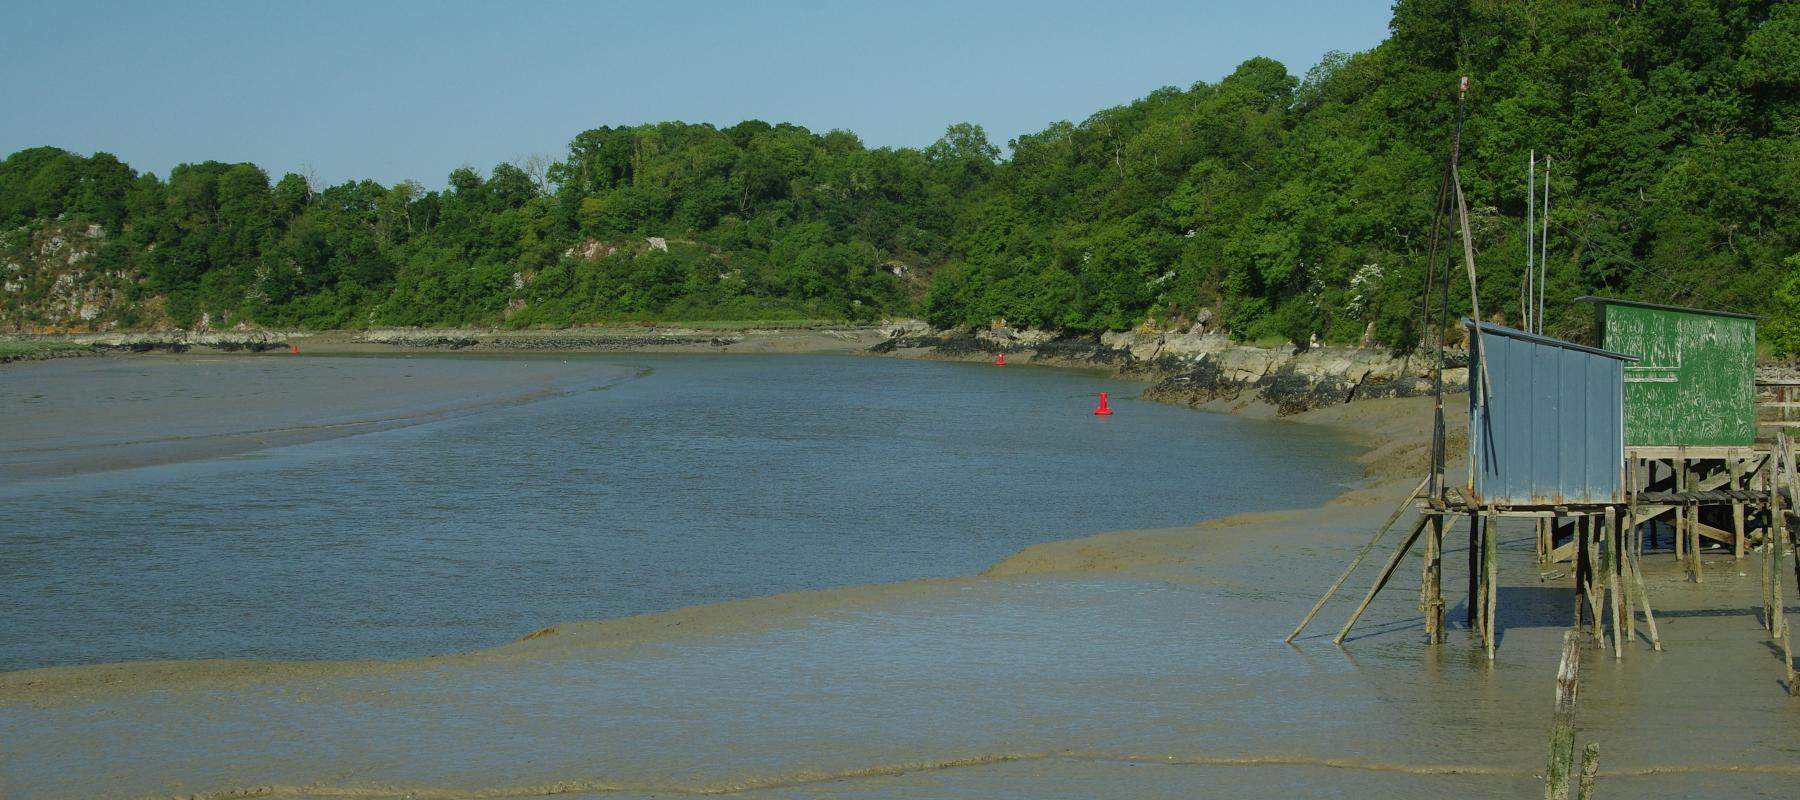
[
  {"x": 1562, "y": 726},
  {"x": 1736, "y": 467},
  {"x": 1678, "y": 520},
  {"x": 1627, "y": 597},
  {"x": 1360, "y": 555},
  {"x": 1614, "y": 563},
  {"x": 1387, "y": 571},
  {"x": 1477, "y": 605},
  {"x": 1583, "y": 574},
  {"x": 1692, "y": 510},
  {"x": 1490, "y": 578},
  {"x": 1598, "y": 568},
  {"x": 1590, "y": 769},
  {"x": 1769, "y": 571},
  {"x": 1431, "y": 589}
]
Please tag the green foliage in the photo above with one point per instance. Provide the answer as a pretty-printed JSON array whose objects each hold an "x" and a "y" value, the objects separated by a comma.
[{"x": 1280, "y": 207}]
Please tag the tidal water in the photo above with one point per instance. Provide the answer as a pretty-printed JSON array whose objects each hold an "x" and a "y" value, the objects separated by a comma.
[{"x": 356, "y": 508}]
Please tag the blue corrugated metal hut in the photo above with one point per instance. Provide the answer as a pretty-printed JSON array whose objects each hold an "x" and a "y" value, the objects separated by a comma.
[{"x": 1550, "y": 429}]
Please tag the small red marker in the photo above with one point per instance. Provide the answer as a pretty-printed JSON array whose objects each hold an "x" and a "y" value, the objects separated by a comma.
[
  {"x": 294, "y": 349},
  {"x": 1000, "y": 361},
  {"x": 1103, "y": 410}
]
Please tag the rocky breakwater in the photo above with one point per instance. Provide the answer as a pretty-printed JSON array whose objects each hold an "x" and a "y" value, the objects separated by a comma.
[{"x": 1199, "y": 368}]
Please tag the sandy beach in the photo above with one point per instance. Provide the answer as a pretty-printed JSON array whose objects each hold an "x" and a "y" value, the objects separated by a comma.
[{"x": 1141, "y": 663}]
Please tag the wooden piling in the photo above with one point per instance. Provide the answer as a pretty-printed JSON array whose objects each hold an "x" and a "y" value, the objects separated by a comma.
[
  {"x": 1590, "y": 769},
  {"x": 1562, "y": 726},
  {"x": 1614, "y": 563},
  {"x": 1583, "y": 570},
  {"x": 1678, "y": 520},
  {"x": 1473, "y": 608},
  {"x": 1490, "y": 579},
  {"x": 1736, "y": 467},
  {"x": 1597, "y": 569},
  {"x": 1431, "y": 582}
]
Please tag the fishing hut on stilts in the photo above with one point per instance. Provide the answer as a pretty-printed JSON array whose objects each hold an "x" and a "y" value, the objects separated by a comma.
[{"x": 1598, "y": 446}]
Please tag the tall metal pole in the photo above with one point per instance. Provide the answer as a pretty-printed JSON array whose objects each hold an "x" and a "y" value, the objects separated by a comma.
[
  {"x": 1530, "y": 241},
  {"x": 1544, "y": 245}
]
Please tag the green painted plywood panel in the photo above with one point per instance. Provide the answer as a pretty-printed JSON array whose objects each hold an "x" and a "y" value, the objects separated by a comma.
[{"x": 1694, "y": 383}]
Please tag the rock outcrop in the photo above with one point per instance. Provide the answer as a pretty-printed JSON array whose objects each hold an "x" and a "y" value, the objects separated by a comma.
[{"x": 1200, "y": 368}]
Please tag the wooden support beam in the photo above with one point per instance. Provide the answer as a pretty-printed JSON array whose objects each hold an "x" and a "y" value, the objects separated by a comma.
[
  {"x": 1360, "y": 555},
  {"x": 1387, "y": 571}
]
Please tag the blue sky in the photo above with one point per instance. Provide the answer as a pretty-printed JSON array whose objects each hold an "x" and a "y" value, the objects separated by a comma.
[{"x": 399, "y": 90}]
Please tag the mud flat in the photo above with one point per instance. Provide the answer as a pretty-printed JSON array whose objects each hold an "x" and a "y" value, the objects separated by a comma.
[
  {"x": 64, "y": 417},
  {"x": 1139, "y": 663}
]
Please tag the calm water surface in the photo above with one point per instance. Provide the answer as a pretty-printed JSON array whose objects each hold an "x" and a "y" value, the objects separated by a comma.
[{"x": 626, "y": 485}]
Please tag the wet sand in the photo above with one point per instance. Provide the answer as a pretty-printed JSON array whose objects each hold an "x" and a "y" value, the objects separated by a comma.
[{"x": 1131, "y": 664}]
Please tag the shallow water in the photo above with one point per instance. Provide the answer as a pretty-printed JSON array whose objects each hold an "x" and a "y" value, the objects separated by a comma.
[
  {"x": 494, "y": 496},
  {"x": 1166, "y": 678}
]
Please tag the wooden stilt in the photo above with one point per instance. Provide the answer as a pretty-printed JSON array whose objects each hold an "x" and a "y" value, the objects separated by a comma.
[
  {"x": 1627, "y": 594},
  {"x": 1387, "y": 571},
  {"x": 1736, "y": 467},
  {"x": 1360, "y": 555},
  {"x": 1490, "y": 558},
  {"x": 1543, "y": 540},
  {"x": 1769, "y": 566},
  {"x": 1477, "y": 605},
  {"x": 1597, "y": 569},
  {"x": 1583, "y": 570},
  {"x": 1678, "y": 521},
  {"x": 1613, "y": 565},
  {"x": 1431, "y": 590}
]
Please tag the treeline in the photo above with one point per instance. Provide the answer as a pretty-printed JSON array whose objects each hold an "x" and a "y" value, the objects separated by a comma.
[{"x": 1275, "y": 206}]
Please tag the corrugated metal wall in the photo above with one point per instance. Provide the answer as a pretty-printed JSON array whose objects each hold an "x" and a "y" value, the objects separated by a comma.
[
  {"x": 1551, "y": 431},
  {"x": 1694, "y": 383}
]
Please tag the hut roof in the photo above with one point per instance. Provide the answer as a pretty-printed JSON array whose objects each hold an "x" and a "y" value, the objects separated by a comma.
[
  {"x": 1684, "y": 309},
  {"x": 1535, "y": 338}
]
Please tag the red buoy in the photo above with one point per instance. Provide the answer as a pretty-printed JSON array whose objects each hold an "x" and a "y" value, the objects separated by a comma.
[
  {"x": 1000, "y": 361},
  {"x": 1103, "y": 410},
  {"x": 294, "y": 348}
]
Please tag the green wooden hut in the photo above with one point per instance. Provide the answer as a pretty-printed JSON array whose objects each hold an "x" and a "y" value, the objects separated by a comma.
[{"x": 1694, "y": 382}]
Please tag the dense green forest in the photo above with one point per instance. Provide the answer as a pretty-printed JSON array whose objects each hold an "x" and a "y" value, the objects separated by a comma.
[{"x": 1272, "y": 205}]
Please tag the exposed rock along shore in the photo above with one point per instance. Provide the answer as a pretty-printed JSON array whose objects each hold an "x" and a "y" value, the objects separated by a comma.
[
  {"x": 1182, "y": 368},
  {"x": 1201, "y": 368}
]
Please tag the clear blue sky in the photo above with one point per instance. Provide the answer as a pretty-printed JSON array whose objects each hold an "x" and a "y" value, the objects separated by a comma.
[{"x": 397, "y": 90}]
